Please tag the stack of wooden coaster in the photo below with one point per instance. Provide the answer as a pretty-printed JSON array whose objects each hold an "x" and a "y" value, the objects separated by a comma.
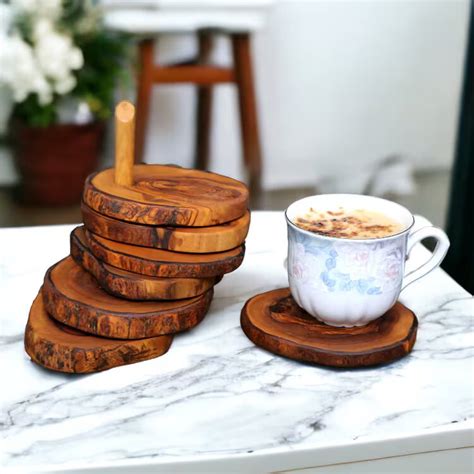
[{"x": 155, "y": 241}]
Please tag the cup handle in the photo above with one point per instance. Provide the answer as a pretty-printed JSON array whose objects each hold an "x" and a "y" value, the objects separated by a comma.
[{"x": 442, "y": 246}]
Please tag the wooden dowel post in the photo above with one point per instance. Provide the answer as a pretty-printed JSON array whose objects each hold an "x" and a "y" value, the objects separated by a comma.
[{"x": 124, "y": 143}]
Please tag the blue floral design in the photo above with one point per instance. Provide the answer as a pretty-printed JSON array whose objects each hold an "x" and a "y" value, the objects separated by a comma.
[
  {"x": 332, "y": 278},
  {"x": 329, "y": 282},
  {"x": 375, "y": 290}
]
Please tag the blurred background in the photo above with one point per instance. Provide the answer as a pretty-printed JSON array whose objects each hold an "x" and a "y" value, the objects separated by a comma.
[{"x": 295, "y": 97}]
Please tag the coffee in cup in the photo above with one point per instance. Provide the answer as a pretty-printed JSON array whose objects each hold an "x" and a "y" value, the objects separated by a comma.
[
  {"x": 348, "y": 224},
  {"x": 347, "y": 253}
]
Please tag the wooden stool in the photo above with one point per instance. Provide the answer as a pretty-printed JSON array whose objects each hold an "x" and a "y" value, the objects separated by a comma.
[{"x": 234, "y": 20}]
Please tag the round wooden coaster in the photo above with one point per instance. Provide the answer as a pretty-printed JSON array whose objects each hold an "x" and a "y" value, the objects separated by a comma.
[
  {"x": 73, "y": 297},
  {"x": 162, "y": 263},
  {"x": 218, "y": 238},
  {"x": 134, "y": 286},
  {"x": 167, "y": 195},
  {"x": 58, "y": 347},
  {"x": 273, "y": 321}
]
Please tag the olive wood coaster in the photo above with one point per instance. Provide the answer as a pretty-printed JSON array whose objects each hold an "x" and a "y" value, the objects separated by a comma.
[
  {"x": 218, "y": 238},
  {"x": 273, "y": 321},
  {"x": 158, "y": 194},
  {"x": 167, "y": 195},
  {"x": 134, "y": 286},
  {"x": 73, "y": 297},
  {"x": 163, "y": 263},
  {"x": 58, "y": 347}
]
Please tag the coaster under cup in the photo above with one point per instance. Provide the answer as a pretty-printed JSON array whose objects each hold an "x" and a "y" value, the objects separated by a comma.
[{"x": 273, "y": 321}]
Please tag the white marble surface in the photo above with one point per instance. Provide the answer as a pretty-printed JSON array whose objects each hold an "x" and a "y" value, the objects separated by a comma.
[{"x": 215, "y": 395}]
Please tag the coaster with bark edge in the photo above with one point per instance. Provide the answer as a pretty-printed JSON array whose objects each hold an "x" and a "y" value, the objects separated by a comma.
[
  {"x": 273, "y": 321},
  {"x": 73, "y": 297},
  {"x": 167, "y": 195},
  {"x": 134, "y": 286},
  {"x": 218, "y": 238},
  {"x": 58, "y": 347},
  {"x": 158, "y": 194},
  {"x": 163, "y": 263}
]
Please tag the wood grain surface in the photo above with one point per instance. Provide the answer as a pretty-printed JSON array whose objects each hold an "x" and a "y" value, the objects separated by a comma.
[
  {"x": 135, "y": 286},
  {"x": 273, "y": 321},
  {"x": 58, "y": 347},
  {"x": 73, "y": 297},
  {"x": 167, "y": 195},
  {"x": 124, "y": 143},
  {"x": 218, "y": 238},
  {"x": 163, "y": 263}
]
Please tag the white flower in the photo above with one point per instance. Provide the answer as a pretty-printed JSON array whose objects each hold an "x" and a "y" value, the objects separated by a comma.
[
  {"x": 65, "y": 85},
  {"x": 76, "y": 59},
  {"x": 56, "y": 56},
  {"x": 20, "y": 70},
  {"x": 42, "y": 8},
  {"x": 42, "y": 26},
  {"x": 50, "y": 8},
  {"x": 43, "y": 89},
  {"x": 47, "y": 66},
  {"x": 26, "y": 6}
]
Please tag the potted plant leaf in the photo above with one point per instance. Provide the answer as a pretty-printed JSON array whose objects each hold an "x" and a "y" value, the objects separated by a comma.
[{"x": 62, "y": 67}]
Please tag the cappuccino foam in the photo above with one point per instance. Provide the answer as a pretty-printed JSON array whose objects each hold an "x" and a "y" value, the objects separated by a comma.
[{"x": 348, "y": 224}]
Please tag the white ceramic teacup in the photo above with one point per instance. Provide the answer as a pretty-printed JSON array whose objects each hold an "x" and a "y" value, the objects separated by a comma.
[{"x": 350, "y": 282}]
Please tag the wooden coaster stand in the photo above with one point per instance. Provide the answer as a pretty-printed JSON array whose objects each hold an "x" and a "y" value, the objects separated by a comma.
[{"x": 157, "y": 240}]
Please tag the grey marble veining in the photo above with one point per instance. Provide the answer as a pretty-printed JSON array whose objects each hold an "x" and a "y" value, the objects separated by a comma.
[{"x": 214, "y": 392}]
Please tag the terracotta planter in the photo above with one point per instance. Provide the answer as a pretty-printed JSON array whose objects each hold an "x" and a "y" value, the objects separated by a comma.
[{"x": 53, "y": 162}]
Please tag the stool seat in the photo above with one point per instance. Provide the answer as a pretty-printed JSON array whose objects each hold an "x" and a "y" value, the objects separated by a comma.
[{"x": 181, "y": 16}]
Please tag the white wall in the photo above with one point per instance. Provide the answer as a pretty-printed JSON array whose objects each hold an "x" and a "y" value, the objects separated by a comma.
[{"x": 341, "y": 84}]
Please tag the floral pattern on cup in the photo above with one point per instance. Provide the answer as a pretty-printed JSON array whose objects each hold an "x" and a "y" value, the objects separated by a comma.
[
  {"x": 333, "y": 265},
  {"x": 350, "y": 282}
]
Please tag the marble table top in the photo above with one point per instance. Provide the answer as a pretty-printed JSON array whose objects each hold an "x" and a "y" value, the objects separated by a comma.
[{"x": 215, "y": 396}]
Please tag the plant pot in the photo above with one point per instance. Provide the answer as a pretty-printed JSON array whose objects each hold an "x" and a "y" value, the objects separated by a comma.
[{"x": 53, "y": 162}]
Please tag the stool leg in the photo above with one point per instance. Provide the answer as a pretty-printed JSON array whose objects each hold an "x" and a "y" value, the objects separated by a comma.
[
  {"x": 144, "y": 89},
  {"x": 248, "y": 112},
  {"x": 204, "y": 106}
]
